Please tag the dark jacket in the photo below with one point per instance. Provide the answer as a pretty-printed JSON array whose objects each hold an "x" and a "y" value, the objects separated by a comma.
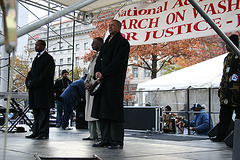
[
  {"x": 201, "y": 122},
  {"x": 75, "y": 92},
  {"x": 40, "y": 82},
  {"x": 112, "y": 63},
  {"x": 59, "y": 85},
  {"x": 229, "y": 87}
]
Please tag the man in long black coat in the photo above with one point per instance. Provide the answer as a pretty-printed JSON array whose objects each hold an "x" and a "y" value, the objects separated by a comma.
[
  {"x": 40, "y": 82},
  {"x": 228, "y": 92},
  {"x": 110, "y": 68}
]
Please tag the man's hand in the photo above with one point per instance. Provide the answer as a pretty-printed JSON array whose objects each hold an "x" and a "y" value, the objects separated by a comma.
[
  {"x": 194, "y": 128},
  {"x": 180, "y": 118},
  {"x": 99, "y": 76},
  {"x": 28, "y": 84},
  {"x": 88, "y": 86}
]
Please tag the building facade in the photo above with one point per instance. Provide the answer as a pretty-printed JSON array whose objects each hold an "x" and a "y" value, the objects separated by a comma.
[{"x": 68, "y": 46}]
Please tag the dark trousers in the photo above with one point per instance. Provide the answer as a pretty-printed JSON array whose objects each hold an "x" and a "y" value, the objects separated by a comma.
[
  {"x": 225, "y": 117},
  {"x": 41, "y": 121},
  {"x": 112, "y": 131},
  {"x": 68, "y": 112},
  {"x": 59, "y": 112}
]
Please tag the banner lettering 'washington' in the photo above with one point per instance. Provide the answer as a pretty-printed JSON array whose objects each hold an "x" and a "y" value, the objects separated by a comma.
[{"x": 170, "y": 20}]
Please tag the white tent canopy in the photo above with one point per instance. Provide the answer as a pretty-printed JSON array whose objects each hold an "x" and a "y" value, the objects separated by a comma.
[{"x": 206, "y": 74}]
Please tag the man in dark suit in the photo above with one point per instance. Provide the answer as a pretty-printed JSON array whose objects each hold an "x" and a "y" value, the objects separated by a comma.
[
  {"x": 40, "y": 83},
  {"x": 110, "y": 69}
]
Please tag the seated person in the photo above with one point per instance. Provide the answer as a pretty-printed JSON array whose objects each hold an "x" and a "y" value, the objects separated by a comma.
[
  {"x": 168, "y": 119},
  {"x": 200, "y": 122}
]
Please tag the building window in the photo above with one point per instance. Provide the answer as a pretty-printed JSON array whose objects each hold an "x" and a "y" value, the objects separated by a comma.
[
  {"x": 61, "y": 61},
  {"x": 77, "y": 61},
  {"x": 85, "y": 46},
  {"x": 69, "y": 60},
  {"x": 68, "y": 27},
  {"x": 147, "y": 72},
  {"x": 77, "y": 47},
  {"x": 135, "y": 72}
]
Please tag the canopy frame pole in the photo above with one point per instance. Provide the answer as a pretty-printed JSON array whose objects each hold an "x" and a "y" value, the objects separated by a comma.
[
  {"x": 215, "y": 27},
  {"x": 26, "y": 29}
]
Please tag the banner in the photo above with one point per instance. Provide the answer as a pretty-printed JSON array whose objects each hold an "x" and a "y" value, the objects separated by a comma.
[{"x": 171, "y": 20}]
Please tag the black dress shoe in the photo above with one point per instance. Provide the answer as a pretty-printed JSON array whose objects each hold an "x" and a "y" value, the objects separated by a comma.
[
  {"x": 31, "y": 136},
  {"x": 115, "y": 145},
  {"x": 216, "y": 139},
  {"x": 88, "y": 138},
  {"x": 42, "y": 137},
  {"x": 100, "y": 144}
]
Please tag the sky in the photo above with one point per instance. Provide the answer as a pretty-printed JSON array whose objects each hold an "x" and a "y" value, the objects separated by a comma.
[{"x": 39, "y": 12}]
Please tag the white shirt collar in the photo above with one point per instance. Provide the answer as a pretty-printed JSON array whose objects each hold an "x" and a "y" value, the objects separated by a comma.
[{"x": 41, "y": 53}]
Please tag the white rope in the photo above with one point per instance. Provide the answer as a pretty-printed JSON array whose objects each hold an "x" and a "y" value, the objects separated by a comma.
[{"x": 8, "y": 104}]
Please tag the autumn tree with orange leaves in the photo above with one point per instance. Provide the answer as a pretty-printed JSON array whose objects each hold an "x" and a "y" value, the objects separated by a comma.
[
  {"x": 157, "y": 57},
  {"x": 20, "y": 71},
  {"x": 184, "y": 53}
]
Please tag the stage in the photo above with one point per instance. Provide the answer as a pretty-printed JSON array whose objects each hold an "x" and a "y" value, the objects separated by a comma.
[{"x": 138, "y": 146}]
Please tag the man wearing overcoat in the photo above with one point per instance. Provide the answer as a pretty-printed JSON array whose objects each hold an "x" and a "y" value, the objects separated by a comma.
[
  {"x": 229, "y": 91},
  {"x": 94, "y": 125},
  {"x": 110, "y": 69},
  {"x": 40, "y": 82}
]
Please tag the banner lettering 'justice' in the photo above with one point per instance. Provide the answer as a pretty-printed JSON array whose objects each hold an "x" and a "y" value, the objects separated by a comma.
[{"x": 173, "y": 20}]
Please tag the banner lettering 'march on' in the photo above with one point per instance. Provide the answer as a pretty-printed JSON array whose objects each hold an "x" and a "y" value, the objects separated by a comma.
[{"x": 171, "y": 20}]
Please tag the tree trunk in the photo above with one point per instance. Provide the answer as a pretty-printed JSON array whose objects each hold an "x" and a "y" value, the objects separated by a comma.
[{"x": 154, "y": 66}]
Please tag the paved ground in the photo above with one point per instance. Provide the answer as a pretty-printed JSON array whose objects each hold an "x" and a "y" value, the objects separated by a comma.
[{"x": 64, "y": 143}]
